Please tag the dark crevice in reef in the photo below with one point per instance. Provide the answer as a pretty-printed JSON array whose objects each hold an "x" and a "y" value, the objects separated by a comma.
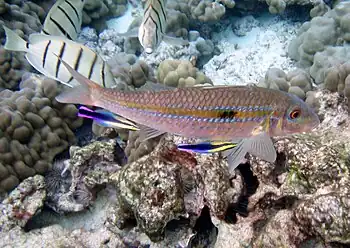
[
  {"x": 206, "y": 232},
  {"x": 280, "y": 168},
  {"x": 251, "y": 185}
]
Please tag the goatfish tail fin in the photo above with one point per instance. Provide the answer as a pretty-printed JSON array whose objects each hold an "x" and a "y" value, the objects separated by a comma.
[
  {"x": 14, "y": 42},
  {"x": 87, "y": 93},
  {"x": 107, "y": 119},
  {"x": 207, "y": 147}
]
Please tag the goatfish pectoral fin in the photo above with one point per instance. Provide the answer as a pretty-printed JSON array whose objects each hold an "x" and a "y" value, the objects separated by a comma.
[
  {"x": 107, "y": 119},
  {"x": 147, "y": 133},
  {"x": 132, "y": 33},
  {"x": 175, "y": 41},
  {"x": 259, "y": 145},
  {"x": 82, "y": 94},
  {"x": 207, "y": 147}
]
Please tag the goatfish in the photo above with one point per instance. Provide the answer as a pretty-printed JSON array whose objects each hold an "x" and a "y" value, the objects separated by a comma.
[
  {"x": 247, "y": 114},
  {"x": 64, "y": 19},
  {"x": 39, "y": 53},
  {"x": 106, "y": 119},
  {"x": 153, "y": 26}
]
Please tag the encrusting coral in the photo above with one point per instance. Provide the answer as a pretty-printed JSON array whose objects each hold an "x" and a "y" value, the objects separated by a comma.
[
  {"x": 180, "y": 73},
  {"x": 96, "y": 12},
  {"x": 320, "y": 33},
  {"x": 296, "y": 82},
  {"x": 34, "y": 128}
]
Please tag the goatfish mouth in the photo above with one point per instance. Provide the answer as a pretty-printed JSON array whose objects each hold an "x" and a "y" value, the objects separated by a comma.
[{"x": 107, "y": 119}]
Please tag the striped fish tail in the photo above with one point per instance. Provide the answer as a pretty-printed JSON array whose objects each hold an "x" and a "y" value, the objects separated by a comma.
[
  {"x": 86, "y": 93},
  {"x": 14, "y": 42}
]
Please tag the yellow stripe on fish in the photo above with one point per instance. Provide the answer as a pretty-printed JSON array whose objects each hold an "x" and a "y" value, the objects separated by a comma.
[
  {"x": 236, "y": 113},
  {"x": 41, "y": 53},
  {"x": 64, "y": 19}
]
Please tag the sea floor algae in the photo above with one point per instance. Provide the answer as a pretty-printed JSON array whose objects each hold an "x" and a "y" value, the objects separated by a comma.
[{"x": 120, "y": 191}]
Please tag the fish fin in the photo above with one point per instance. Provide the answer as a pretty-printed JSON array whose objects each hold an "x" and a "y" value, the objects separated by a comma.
[
  {"x": 175, "y": 41},
  {"x": 14, "y": 42},
  {"x": 147, "y": 133},
  {"x": 134, "y": 32},
  {"x": 235, "y": 156},
  {"x": 82, "y": 94},
  {"x": 262, "y": 146}
]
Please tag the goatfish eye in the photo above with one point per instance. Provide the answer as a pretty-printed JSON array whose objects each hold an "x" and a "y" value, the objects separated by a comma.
[{"x": 294, "y": 114}]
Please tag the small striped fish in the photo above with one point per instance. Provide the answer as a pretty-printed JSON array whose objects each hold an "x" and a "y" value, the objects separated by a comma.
[
  {"x": 247, "y": 113},
  {"x": 207, "y": 147},
  {"x": 64, "y": 19},
  {"x": 152, "y": 29},
  {"x": 107, "y": 119},
  {"x": 41, "y": 50}
]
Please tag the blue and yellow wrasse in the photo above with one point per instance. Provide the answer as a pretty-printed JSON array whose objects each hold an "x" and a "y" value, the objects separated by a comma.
[
  {"x": 207, "y": 147},
  {"x": 107, "y": 119},
  {"x": 245, "y": 115}
]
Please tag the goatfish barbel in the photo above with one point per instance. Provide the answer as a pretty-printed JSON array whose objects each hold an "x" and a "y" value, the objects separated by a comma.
[
  {"x": 40, "y": 53},
  {"x": 246, "y": 114},
  {"x": 64, "y": 19},
  {"x": 153, "y": 26}
]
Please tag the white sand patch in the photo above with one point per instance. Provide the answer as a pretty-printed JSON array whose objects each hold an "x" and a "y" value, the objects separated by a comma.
[
  {"x": 121, "y": 24},
  {"x": 245, "y": 59}
]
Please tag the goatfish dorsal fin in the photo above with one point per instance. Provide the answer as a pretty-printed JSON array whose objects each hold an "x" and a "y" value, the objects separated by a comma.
[
  {"x": 107, "y": 119},
  {"x": 207, "y": 147},
  {"x": 64, "y": 19}
]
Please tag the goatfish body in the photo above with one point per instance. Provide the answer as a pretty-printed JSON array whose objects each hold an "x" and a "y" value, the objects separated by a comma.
[
  {"x": 153, "y": 26},
  {"x": 246, "y": 114},
  {"x": 40, "y": 52},
  {"x": 64, "y": 19}
]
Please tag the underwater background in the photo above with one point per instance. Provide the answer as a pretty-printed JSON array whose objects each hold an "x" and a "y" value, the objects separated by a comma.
[{"x": 68, "y": 181}]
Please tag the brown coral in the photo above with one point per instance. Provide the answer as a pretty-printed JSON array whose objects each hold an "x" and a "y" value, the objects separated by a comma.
[
  {"x": 25, "y": 17},
  {"x": 34, "y": 129},
  {"x": 180, "y": 73}
]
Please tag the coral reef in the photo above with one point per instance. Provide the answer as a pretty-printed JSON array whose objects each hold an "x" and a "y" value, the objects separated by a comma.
[
  {"x": 301, "y": 198},
  {"x": 22, "y": 203},
  {"x": 320, "y": 33},
  {"x": 127, "y": 69},
  {"x": 262, "y": 48},
  {"x": 96, "y": 13},
  {"x": 25, "y": 17},
  {"x": 167, "y": 183},
  {"x": 71, "y": 184},
  {"x": 297, "y": 82},
  {"x": 34, "y": 129},
  {"x": 180, "y": 73}
]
